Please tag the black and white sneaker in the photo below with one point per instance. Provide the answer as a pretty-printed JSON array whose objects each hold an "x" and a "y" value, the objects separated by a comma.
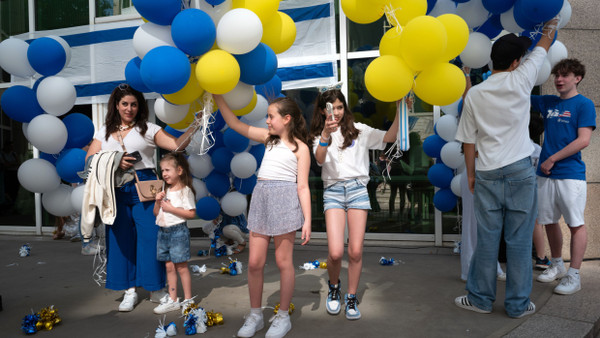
[
  {"x": 463, "y": 302},
  {"x": 333, "y": 302}
]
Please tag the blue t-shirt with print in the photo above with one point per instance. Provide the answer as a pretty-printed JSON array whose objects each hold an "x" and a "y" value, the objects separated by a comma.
[{"x": 562, "y": 118}]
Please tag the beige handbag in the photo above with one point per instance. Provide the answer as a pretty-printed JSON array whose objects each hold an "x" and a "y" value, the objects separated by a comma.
[{"x": 146, "y": 190}]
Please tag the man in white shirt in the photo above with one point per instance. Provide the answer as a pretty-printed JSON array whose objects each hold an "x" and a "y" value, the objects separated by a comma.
[{"x": 495, "y": 121}]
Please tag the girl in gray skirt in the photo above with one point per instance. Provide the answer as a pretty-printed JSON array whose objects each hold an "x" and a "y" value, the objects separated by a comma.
[{"x": 280, "y": 205}]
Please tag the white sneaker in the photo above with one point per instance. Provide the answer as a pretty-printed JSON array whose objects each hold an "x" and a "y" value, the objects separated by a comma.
[
  {"x": 91, "y": 249},
  {"x": 279, "y": 327},
  {"x": 168, "y": 306},
  {"x": 463, "y": 302},
  {"x": 129, "y": 301},
  {"x": 159, "y": 296},
  {"x": 252, "y": 324},
  {"x": 530, "y": 310},
  {"x": 568, "y": 285},
  {"x": 501, "y": 277},
  {"x": 553, "y": 273}
]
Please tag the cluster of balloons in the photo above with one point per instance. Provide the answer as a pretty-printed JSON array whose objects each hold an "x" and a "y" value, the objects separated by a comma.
[
  {"x": 222, "y": 47},
  {"x": 39, "y": 109},
  {"x": 414, "y": 52},
  {"x": 488, "y": 18}
]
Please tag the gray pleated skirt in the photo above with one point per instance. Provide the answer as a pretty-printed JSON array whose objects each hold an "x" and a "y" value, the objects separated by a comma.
[{"x": 275, "y": 208}]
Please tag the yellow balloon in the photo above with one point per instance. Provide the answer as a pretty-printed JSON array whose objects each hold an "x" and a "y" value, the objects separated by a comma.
[
  {"x": 279, "y": 33},
  {"x": 361, "y": 11},
  {"x": 441, "y": 84},
  {"x": 388, "y": 78},
  {"x": 423, "y": 41},
  {"x": 390, "y": 42},
  {"x": 458, "y": 35},
  {"x": 248, "y": 108},
  {"x": 264, "y": 9},
  {"x": 217, "y": 71},
  {"x": 402, "y": 11},
  {"x": 187, "y": 94}
]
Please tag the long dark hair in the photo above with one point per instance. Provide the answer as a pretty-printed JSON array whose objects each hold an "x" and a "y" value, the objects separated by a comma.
[
  {"x": 113, "y": 119},
  {"x": 349, "y": 131},
  {"x": 296, "y": 127},
  {"x": 179, "y": 160}
]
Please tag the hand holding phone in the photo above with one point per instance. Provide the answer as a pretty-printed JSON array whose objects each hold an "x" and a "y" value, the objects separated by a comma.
[
  {"x": 329, "y": 107},
  {"x": 136, "y": 154}
]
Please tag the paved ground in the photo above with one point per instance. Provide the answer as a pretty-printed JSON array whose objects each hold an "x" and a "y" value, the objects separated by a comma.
[{"x": 412, "y": 299}]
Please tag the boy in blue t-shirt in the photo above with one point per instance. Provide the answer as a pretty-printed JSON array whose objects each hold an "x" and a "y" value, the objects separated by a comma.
[{"x": 569, "y": 120}]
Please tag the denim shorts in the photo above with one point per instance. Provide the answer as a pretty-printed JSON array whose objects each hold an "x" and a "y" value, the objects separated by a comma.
[
  {"x": 350, "y": 194},
  {"x": 173, "y": 244}
]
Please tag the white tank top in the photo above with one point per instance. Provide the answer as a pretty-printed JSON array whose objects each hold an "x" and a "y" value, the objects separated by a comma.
[{"x": 279, "y": 163}]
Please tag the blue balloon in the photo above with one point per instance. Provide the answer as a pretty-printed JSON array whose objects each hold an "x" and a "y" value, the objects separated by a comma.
[
  {"x": 498, "y": 6},
  {"x": 221, "y": 160},
  {"x": 257, "y": 66},
  {"x": 160, "y": 12},
  {"x": 430, "y": 5},
  {"x": 173, "y": 131},
  {"x": 217, "y": 183},
  {"x": 133, "y": 76},
  {"x": 444, "y": 200},
  {"x": 193, "y": 31},
  {"x": 535, "y": 36},
  {"x": 165, "y": 69},
  {"x": 523, "y": 21},
  {"x": 258, "y": 151},
  {"x": 235, "y": 141},
  {"x": 219, "y": 143},
  {"x": 492, "y": 27},
  {"x": 20, "y": 104},
  {"x": 80, "y": 130},
  {"x": 440, "y": 175},
  {"x": 245, "y": 185},
  {"x": 219, "y": 122},
  {"x": 47, "y": 56},
  {"x": 69, "y": 163},
  {"x": 432, "y": 145},
  {"x": 271, "y": 89},
  {"x": 537, "y": 11},
  {"x": 52, "y": 158},
  {"x": 208, "y": 208},
  {"x": 460, "y": 1},
  {"x": 214, "y": 2}
]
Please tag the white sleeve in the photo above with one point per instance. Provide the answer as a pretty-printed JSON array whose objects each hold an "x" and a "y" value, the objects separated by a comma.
[
  {"x": 467, "y": 128},
  {"x": 373, "y": 138},
  {"x": 188, "y": 200}
]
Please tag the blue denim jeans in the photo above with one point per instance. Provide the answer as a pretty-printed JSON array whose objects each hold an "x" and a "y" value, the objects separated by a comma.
[{"x": 505, "y": 199}]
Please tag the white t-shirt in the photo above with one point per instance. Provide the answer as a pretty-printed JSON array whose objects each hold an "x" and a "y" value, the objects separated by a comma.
[
  {"x": 496, "y": 114},
  {"x": 133, "y": 141},
  {"x": 183, "y": 198},
  {"x": 352, "y": 162}
]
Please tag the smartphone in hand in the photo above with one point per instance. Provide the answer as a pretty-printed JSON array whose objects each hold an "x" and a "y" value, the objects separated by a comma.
[
  {"x": 329, "y": 107},
  {"x": 136, "y": 154}
]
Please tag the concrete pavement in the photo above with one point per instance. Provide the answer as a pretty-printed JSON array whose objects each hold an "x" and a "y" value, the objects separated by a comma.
[{"x": 414, "y": 298}]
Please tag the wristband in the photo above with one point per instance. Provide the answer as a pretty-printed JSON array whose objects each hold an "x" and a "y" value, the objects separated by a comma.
[
  {"x": 323, "y": 144},
  {"x": 324, "y": 138}
]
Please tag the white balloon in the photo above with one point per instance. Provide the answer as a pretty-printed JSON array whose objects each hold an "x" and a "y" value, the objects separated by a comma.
[
  {"x": 215, "y": 12},
  {"x": 455, "y": 185},
  {"x": 507, "y": 19},
  {"x": 234, "y": 203},
  {"x": 451, "y": 109},
  {"x": 557, "y": 52},
  {"x": 38, "y": 175},
  {"x": 24, "y": 129},
  {"x": 472, "y": 12},
  {"x": 64, "y": 45},
  {"x": 47, "y": 133},
  {"x": 446, "y": 127},
  {"x": 239, "y": 31},
  {"x": 544, "y": 72},
  {"x": 13, "y": 57},
  {"x": 243, "y": 165},
  {"x": 54, "y": 201},
  {"x": 77, "y": 198},
  {"x": 240, "y": 96},
  {"x": 477, "y": 52},
  {"x": 150, "y": 35},
  {"x": 564, "y": 16},
  {"x": 200, "y": 188},
  {"x": 451, "y": 155},
  {"x": 262, "y": 123},
  {"x": 443, "y": 7},
  {"x": 56, "y": 95},
  {"x": 200, "y": 165},
  {"x": 259, "y": 112},
  {"x": 170, "y": 113}
]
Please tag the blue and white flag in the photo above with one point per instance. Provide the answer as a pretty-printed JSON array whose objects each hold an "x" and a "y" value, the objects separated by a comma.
[{"x": 99, "y": 53}]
